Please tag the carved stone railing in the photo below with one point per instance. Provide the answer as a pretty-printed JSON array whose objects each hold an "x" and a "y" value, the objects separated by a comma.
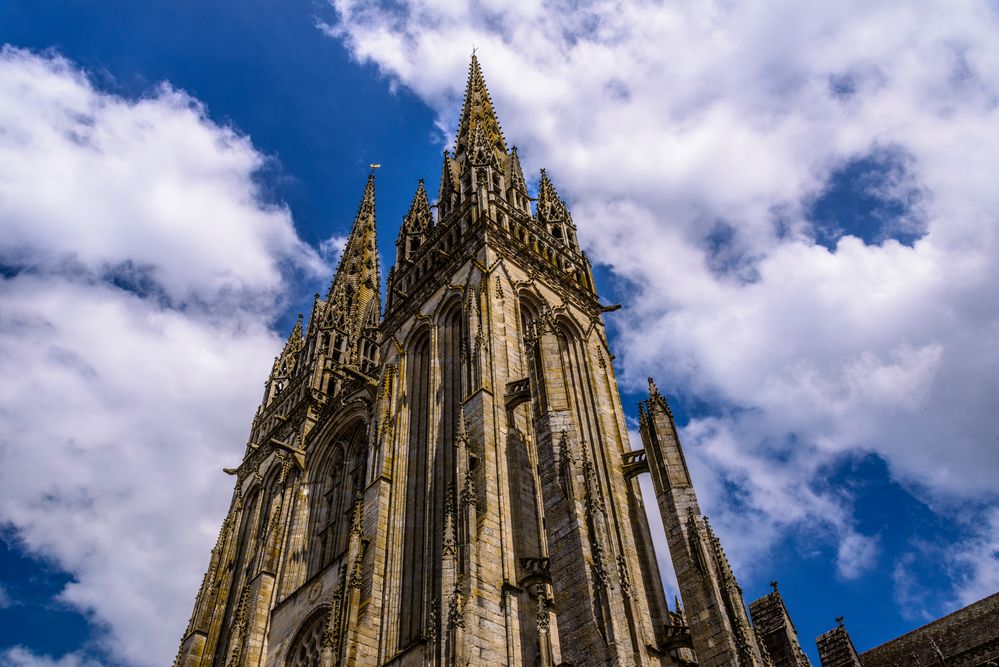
[
  {"x": 673, "y": 634},
  {"x": 634, "y": 463},
  {"x": 534, "y": 570},
  {"x": 517, "y": 392}
]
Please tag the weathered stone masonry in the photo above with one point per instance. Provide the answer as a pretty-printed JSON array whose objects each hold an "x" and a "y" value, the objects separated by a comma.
[{"x": 449, "y": 480}]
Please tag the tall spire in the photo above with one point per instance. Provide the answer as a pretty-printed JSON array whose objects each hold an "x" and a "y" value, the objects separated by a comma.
[
  {"x": 352, "y": 309},
  {"x": 360, "y": 254},
  {"x": 478, "y": 113}
]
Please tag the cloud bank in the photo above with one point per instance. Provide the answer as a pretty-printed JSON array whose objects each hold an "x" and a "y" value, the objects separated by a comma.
[
  {"x": 709, "y": 150},
  {"x": 140, "y": 271}
]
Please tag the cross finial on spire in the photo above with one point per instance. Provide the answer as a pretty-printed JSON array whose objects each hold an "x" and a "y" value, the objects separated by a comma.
[
  {"x": 773, "y": 585},
  {"x": 839, "y": 621}
]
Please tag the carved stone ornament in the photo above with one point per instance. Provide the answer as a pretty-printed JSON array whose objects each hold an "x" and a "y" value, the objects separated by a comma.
[{"x": 315, "y": 591}]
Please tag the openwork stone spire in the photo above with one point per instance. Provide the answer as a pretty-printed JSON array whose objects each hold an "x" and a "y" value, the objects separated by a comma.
[
  {"x": 478, "y": 114},
  {"x": 551, "y": 208},
  {"x": 554, "y": 215},
  {"x": 415, "y": 226},
  {"x": 350, "y": 316},
  {"x": 359, "y": 260}
]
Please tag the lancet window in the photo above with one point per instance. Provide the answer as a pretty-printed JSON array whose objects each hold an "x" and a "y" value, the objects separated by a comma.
[
  {"x": 368, "y": 347},
  {"x": 341, "y": 477},
  {"x": 452, "y": 350},
  {"x": 414, "y": 531},
  {"x": 530, "y": 321},
  {"x": 247, "y": 540}
]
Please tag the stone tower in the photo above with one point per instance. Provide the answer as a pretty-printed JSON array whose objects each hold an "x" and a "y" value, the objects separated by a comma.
[{"x": 450, "y": 482}]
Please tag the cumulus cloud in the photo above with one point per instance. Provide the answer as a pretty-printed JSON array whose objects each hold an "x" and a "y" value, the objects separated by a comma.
[
  {"x": 140, "y": 271},
  {"x": 19, "y": 656},
  {"x": 331, "y": 248},
  {"x": 700, "y": 144}
]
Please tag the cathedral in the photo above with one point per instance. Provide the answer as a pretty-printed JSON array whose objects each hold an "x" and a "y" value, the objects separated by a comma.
[{"x": 447, "y": 479}]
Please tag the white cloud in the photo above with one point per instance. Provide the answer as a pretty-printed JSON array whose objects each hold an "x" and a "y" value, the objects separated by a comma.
[
  {"x": 855, "y": 555},
  {"x": 970, "y": 563},
  {"x": 142, "y": 271},
  {"x": 5, "y": 599},
  {"x": 975, "y": 559},
  {"x": 666, "y": 123},
  {"x": 19, "y": 656},
  {"x": 148, "y": 186},
  {"x": 331, "y": 248}
]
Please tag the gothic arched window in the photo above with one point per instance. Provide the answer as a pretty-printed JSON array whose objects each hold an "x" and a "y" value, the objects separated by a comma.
[
  {"x": 307, "y": 648},
  {"x": 341, "y": 476},
  {"x": 530, "y": 316},
  {"x": 414, "y": 538}
]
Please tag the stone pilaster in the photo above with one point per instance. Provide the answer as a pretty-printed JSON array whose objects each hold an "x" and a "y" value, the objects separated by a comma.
[{"x": 573, "y": 509}]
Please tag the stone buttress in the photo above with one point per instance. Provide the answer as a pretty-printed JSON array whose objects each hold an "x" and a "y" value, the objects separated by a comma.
[{"x": 713, "y": 603}]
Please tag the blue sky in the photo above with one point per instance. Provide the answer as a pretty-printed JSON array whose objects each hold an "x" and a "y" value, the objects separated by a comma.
[{"x": 793, "y": 203}]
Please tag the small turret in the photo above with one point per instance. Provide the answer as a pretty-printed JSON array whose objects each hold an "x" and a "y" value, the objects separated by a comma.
[
  {"x": 516, "y": 184},
  {"x": 343, "y": 328},
  {"x": 719, "y": 625},
  {"x": 285, "y": 364},
  {"x": 553, "y": 215},
  {"x": 415, "y": 226},
  {"x": 450, "y": 191}
]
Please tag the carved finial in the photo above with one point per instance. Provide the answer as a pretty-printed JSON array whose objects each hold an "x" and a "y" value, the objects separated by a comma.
[
  {"x": 773, "y": 585},
  {"x": 450, "y": 539},
  {"x": 839, "y": 621},
  {"x": 656, "y": 397},
  {"x": 543, "y": 618},
  {"x": 357, "y": 521},
  {"x": 462, "y": 433}
]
